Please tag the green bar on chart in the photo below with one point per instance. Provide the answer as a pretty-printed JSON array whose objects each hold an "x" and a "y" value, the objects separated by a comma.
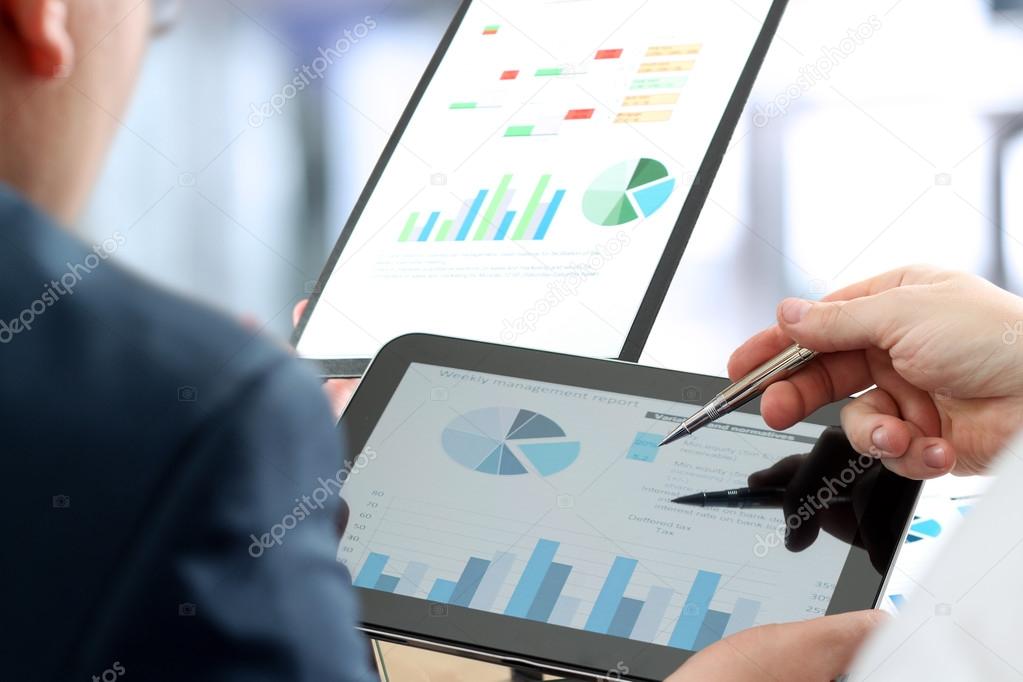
[
  {"x": 555, "y": 71},
  {"x": 519, "y": 131},
  {"x": 464, "y": 105},
  {"x": 406, "y": 233},
  {"x": 445, "y": 227},
  {"x": 495, "y": 204},
  {"x": 534, "y": 203}
]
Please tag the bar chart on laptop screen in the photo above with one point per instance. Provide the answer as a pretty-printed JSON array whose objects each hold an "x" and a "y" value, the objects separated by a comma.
[{"x": 552, "y": 504}]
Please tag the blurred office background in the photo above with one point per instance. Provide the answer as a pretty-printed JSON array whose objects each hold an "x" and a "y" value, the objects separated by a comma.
[{"x": 909, "y": 150}]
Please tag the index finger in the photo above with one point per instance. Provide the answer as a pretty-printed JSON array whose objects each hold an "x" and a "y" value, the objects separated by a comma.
[
  {"x": 893, "y": 279},
  {"x": 771, "y": 341}
]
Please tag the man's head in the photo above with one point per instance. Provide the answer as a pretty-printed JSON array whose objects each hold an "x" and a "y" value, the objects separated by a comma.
[{"x": 67, "y": 68}]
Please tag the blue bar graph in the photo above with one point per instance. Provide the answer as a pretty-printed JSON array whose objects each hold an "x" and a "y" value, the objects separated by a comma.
[
  {"x": 425, "y": 234},
  {"x": 371, "y": 570},
  {"x": 387, "y": 583},
  {"x": 471, "y": 217},
  {"x": 509, "y": 218},
  {"x": 489, "y": 214},
  {"x": 538, "y": 595},
  {"x": 712, "y": 629},
  {"x": 610, "y": 595},
  {"x": 469, "y": 582},
  {"x": 529, "y": 584},
  {"x": 625, "y": 618},
  {"x": 695, "y": 610},
  {"x": 550, "y": 590},
  {"x": 548, "y": 217},
  {"x": 442, "y": 591}
]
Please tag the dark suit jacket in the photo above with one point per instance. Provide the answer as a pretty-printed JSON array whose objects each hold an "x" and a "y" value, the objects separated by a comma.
[{"x": 149, "y": 446}]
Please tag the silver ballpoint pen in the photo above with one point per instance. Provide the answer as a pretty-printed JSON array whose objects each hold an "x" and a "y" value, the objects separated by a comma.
[{"x": 744, "y": 390}]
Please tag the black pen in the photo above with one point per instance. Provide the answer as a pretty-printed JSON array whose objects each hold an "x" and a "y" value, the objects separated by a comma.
[{"x": 745, "y": 498}]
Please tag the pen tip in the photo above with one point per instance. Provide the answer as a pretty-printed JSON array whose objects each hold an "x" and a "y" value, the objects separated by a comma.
[
  {"x": 696, "y": 499},
  {"x": 672, "y": 437}
]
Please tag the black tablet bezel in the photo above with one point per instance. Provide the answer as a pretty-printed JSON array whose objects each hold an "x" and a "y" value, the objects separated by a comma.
[
  {"x": 663, "y": 274},
  {"x": 479, "y": 634}
]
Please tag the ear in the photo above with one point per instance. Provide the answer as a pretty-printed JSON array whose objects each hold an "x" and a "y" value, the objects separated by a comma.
[{"x": 42, "y": 28}]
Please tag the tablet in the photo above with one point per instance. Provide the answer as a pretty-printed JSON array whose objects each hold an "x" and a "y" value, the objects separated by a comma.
[
  {"x": 543, "y": 183},
  {"x": 512, "y": 505}
]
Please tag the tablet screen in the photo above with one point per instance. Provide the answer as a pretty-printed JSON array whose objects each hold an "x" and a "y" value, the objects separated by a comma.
[
  {"x": 551, "y": 503},
  {"x": 534, "y": 187}
]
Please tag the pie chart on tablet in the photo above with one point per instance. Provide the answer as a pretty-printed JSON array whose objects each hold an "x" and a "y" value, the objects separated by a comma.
[
  {"x": 627, "y": 192},
  {"x": 508, "y": 441}
]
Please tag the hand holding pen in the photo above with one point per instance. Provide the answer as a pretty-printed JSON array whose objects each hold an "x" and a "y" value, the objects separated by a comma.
[{"x": 931, "y": 353}]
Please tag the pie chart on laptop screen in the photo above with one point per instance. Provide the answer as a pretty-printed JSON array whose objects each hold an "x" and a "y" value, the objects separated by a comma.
[
  {"x": 627, "y": 192},
  {"x": 508, "y": 441}
]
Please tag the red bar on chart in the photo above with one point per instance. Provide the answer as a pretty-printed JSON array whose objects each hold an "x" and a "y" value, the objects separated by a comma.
[
  {"x": 491, "y": 30},
  {"x": 609, "y": 54},
  {"x": 509, "y": 75},
  {"x": 579, "y": 114}
]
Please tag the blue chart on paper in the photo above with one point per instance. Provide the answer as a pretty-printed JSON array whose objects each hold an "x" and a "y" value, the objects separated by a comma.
[{"x": 505, "y": 441}]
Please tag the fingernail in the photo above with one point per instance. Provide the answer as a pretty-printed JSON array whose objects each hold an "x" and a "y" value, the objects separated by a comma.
[
  {"x": 793, "y": 310},
  {"x": 879, "y": 437},
  {"x": 935, "y": 457}
]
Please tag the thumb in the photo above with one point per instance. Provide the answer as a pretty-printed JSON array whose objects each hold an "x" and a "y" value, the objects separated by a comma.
[
  {"x": 807, "y": 651},
  {"x": 856, "y": 324},
  {"x": 836, "y": 640}
]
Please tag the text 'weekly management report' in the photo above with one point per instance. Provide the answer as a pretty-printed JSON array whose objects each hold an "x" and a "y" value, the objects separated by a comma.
[
  {"x": 540, "y": 176},
  {"x": 548, "y": 502}
]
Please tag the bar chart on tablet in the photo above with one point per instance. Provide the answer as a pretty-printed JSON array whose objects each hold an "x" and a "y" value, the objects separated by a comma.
[
  {"x": 542, "y": 593},
  {"x": 682, "y": 601},
  {"x": 512, "y": 176},
  {"x": 503, "y": 213}
]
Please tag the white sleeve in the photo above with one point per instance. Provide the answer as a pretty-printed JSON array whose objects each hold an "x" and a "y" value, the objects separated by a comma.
[{"x": 964, "y": 621}]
